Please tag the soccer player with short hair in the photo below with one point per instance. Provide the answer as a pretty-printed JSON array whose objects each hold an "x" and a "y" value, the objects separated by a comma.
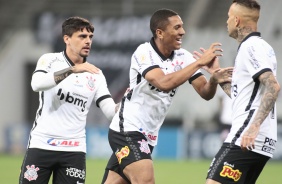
[
  {"x": 67, "y": 86},
  {"x": 158, "y": 68},
  {"x": 254, "y": 90}
]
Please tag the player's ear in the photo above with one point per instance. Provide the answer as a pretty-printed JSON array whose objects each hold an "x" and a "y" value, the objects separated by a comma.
[
  {"x": 159, "y": 34},
  {"x": 237, "y": 21},
  {"x": 66, "y": 39}
]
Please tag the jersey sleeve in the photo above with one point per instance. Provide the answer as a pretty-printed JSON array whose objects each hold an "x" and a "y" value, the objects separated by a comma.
[
  {"x": 43, "y": 64},
  {"x": 42, "y": 78},
  {"x": 142, "y": 60},
  {"x": 258, "y": 60},
  {"x": 188, "y": 58},
  {"x": 102, "y": 89}
]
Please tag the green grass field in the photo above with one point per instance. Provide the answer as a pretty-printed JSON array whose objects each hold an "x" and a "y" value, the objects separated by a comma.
[{"x": 166, "y": 171}]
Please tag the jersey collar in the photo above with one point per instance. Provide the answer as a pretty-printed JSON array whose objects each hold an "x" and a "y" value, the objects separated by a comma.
[
  {"x": 152, "y": 42},
  {"x": 69, "y": 60},
  {"x": 248, "y": 36}
]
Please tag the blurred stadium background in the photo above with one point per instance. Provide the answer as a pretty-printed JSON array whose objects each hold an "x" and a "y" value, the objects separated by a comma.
[{"x": 31, "y": 28}]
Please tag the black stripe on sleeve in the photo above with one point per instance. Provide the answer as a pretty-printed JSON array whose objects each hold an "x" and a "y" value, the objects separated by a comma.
[
  {"x": 148, "y": 69},
  {"x": 195, "y": 77},
  {"x": 102, "y": 98},
  {"x": 256, "y": 76},
  {"x": 40, "y": 71}
]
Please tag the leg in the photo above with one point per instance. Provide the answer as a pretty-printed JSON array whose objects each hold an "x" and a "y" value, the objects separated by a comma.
[
  {"x": 137, "y": 174},
  {"x": 132, "y": 157},
  {"x": 232, "y": 165},
  {"x": 226, "y": 166},
  {"x": 71, "y": 168},
  {"x": 257, "y": 167},
  {"x": 113, "y": 173},
  {"x": 114, "y": 178},
  {"x": 36, "y": 167},
  {"x": 210, "y": 181}
]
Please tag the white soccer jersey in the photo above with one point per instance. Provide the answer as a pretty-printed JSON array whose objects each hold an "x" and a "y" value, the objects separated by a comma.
[
  {"x": 145, "y": 107},
  {"x": 254, "y": 57},
  {"x": 61, "y": 116}
]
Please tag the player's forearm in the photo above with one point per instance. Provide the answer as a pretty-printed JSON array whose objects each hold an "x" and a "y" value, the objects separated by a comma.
[
  {"x": 62, "y": 74},
  {"x": 43, "y": 81},
  {"x": 226, "y": 86},
  {"x": 209, "y": 89},
  {"x": 175, "y": 79},
  {"x": 269, "y": 97}
]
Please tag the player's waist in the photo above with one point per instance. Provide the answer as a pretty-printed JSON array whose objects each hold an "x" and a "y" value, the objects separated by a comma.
[{"x": 60, "y": 144}]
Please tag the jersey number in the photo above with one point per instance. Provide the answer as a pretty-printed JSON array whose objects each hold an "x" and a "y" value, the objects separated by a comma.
[
  {"x": 171, "y": 93},
  {"x": 234, "y": 90}
]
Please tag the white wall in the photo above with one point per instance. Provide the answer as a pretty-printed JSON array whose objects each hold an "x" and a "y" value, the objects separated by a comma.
[{"x": 13, "y": 57}]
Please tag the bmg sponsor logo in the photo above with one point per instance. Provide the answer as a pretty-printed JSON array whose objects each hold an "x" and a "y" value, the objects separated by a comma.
[
  {"x": 71, "y": 99},
  {"x": 76, "y": 173}
]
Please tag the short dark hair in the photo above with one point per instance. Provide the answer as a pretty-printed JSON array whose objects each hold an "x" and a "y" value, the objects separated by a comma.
[
  {"x": 159, "y": 19},
  {"x": 74, "y": 24},
  {"x": 251, "y": 4}
]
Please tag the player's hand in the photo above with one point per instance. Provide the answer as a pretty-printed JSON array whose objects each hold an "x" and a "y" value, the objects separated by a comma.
[
  {"x": 85, "y": 67},
  {"x": 222, "y": 75},
  {"x": 208, "y": 59},
  {"x": 248, "y": 138}
]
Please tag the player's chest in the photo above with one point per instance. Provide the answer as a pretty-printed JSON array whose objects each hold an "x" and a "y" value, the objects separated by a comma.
[
  {"x": 171, "y": 65},
  {"x": 81, "y": 83}
]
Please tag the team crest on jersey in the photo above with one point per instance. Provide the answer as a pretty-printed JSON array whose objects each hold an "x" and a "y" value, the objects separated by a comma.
[
  {"x": 142, "y": 58},
  {"x": 177, "y": 65},
  {"x": 90, "y": 83},
  {"x": 31, "y": 173},
  {"x": 144, "y": 146},
  {"x": 124, "y": 152}
]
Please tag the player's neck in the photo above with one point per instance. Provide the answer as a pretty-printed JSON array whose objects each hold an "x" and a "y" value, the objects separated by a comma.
[
  {"x": 165, "y": 51},
  {"x": 245, "y": 31},
  {"x": 76, "y": 59}
]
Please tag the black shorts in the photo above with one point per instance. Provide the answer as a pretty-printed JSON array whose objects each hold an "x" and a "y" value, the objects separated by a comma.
[
  {"x": 67, "y": 167},
  {"x": 233, "y": 165},
  {"x": 128, "y": 147}
]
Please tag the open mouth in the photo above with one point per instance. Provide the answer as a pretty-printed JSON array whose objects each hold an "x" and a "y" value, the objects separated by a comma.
[{"x": 179, "y": 40}]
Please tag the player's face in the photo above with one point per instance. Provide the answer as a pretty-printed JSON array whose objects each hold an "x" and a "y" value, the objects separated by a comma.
[
  {"x": 231, "y": 22},
  {"x": 173, "y": 33},
  {"x": 80, "y": 43}
]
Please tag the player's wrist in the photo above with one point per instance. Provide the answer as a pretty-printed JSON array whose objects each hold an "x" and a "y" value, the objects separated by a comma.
[{"x": 213, "y": 80}]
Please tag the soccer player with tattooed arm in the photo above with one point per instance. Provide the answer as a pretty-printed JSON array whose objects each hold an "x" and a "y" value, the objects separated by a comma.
[
  {"x": 67, "y": 86},
  {"x": 254, "y": 90}
]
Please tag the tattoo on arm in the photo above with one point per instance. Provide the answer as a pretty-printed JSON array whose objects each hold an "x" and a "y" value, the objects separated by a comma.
[
  {"x": 226, "y": 88},
  {"x": 268, "y": 97},
  {"x": 62, "y": 74}
]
